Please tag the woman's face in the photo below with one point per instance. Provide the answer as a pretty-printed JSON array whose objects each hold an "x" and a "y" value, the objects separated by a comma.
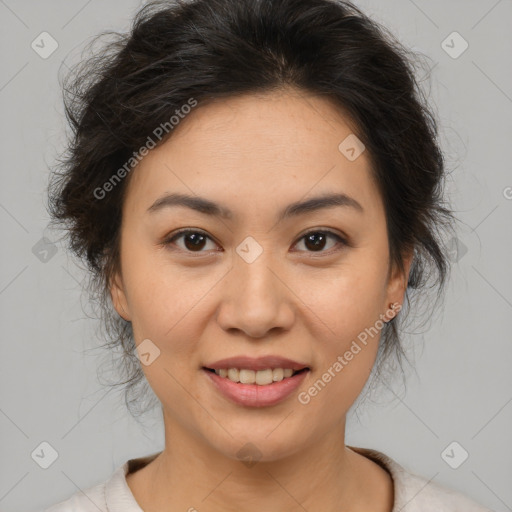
[{"x": 266, "y": 279}]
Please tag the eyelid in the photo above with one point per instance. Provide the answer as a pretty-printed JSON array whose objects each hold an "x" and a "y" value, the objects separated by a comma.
[
  {"x": 169, "y": 239},
  {"x": 341, "y": 239}
]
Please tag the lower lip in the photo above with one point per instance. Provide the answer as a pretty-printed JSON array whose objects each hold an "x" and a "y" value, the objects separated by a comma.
[{"x": 254, "y": 395}]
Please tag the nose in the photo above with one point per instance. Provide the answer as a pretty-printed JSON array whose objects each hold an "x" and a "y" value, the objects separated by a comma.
[{"x": 255, "y": 299}]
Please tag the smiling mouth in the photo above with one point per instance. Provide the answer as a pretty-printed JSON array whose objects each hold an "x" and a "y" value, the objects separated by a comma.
[{"x": 260, "y": 377}]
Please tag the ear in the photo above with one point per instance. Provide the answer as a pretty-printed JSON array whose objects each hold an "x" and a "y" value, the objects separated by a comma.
[
  {"x": 118, "y": 296},
  {"x": 397, "y": 283}
]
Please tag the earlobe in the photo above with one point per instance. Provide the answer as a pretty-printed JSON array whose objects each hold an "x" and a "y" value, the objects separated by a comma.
[
  {"x": 118, "y": 297},
  {"x": 398, "y": 282}
]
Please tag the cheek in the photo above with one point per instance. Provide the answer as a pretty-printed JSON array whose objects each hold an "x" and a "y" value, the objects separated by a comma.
[
  {"x": 161, "y": 299},
  {"x": 348, "y": 299},
  {"x": 346, "y": 352},
  {"x": 348, "y": 307}
]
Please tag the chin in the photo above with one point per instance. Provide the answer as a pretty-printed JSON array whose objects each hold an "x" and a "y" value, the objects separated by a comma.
[{"x": 263, "y": 444}]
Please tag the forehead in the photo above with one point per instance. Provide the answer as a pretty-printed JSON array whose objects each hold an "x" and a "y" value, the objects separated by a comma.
[{"x": 256, "y": 151}]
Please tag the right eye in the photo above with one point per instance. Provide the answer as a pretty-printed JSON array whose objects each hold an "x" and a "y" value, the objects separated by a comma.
[{"x": 193, "y": 240}]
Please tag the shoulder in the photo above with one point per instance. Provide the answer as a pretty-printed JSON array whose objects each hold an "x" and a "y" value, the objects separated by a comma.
[
  {"x": 113, "y": 495},
  {"x": 91, "y": 499},
  {"x": 413, "y": 493}
]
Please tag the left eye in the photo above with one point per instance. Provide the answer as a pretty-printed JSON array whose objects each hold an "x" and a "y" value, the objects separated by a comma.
[
  {"x": 317, "y": 240},
  {"x": 195, "y": 241}
]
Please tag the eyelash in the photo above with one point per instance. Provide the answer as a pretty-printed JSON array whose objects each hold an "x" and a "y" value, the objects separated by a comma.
[{"x": 174, "y": 236}]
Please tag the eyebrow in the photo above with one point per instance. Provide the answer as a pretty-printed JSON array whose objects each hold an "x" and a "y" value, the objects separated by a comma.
[{"x": 208, "y": 207}]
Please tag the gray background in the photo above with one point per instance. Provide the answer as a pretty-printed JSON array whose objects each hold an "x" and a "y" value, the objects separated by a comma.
[{"x": 462, "y": 388}]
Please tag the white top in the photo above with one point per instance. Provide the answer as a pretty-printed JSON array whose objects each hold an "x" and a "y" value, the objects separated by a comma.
[{"x": 413, "y": 493}]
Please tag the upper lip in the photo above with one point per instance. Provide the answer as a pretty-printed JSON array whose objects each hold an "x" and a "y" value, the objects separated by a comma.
[{"x": 256, "y": 363}]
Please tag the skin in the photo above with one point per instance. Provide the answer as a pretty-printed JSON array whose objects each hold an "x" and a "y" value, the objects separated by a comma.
[{"x": 255, "y": 154}]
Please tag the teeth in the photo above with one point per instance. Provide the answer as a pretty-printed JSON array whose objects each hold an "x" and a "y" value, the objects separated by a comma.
[
  {"x": 260, "y": 377},
  {"x": 278, "y": 375},
  {"x": 233, "y": 374},
  {"x": 247, "y": 376}
]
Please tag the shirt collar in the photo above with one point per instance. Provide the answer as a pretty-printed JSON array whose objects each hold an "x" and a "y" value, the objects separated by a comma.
[{"x": 119, "y": 497}]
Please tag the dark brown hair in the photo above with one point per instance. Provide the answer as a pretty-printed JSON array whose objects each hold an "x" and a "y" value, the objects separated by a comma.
[{"x": 214, "y": 49}]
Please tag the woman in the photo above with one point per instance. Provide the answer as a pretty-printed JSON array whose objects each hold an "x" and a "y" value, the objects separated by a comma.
[{"x": 256, "y": 187}]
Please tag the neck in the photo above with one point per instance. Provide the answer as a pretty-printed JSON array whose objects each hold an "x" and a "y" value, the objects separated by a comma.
[{"x": 190, "y": 474}]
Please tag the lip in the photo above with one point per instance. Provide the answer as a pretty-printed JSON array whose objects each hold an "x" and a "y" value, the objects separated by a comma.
[
  {"x": 254, "y": 395},
  {"x": 256, "y": 363}
]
